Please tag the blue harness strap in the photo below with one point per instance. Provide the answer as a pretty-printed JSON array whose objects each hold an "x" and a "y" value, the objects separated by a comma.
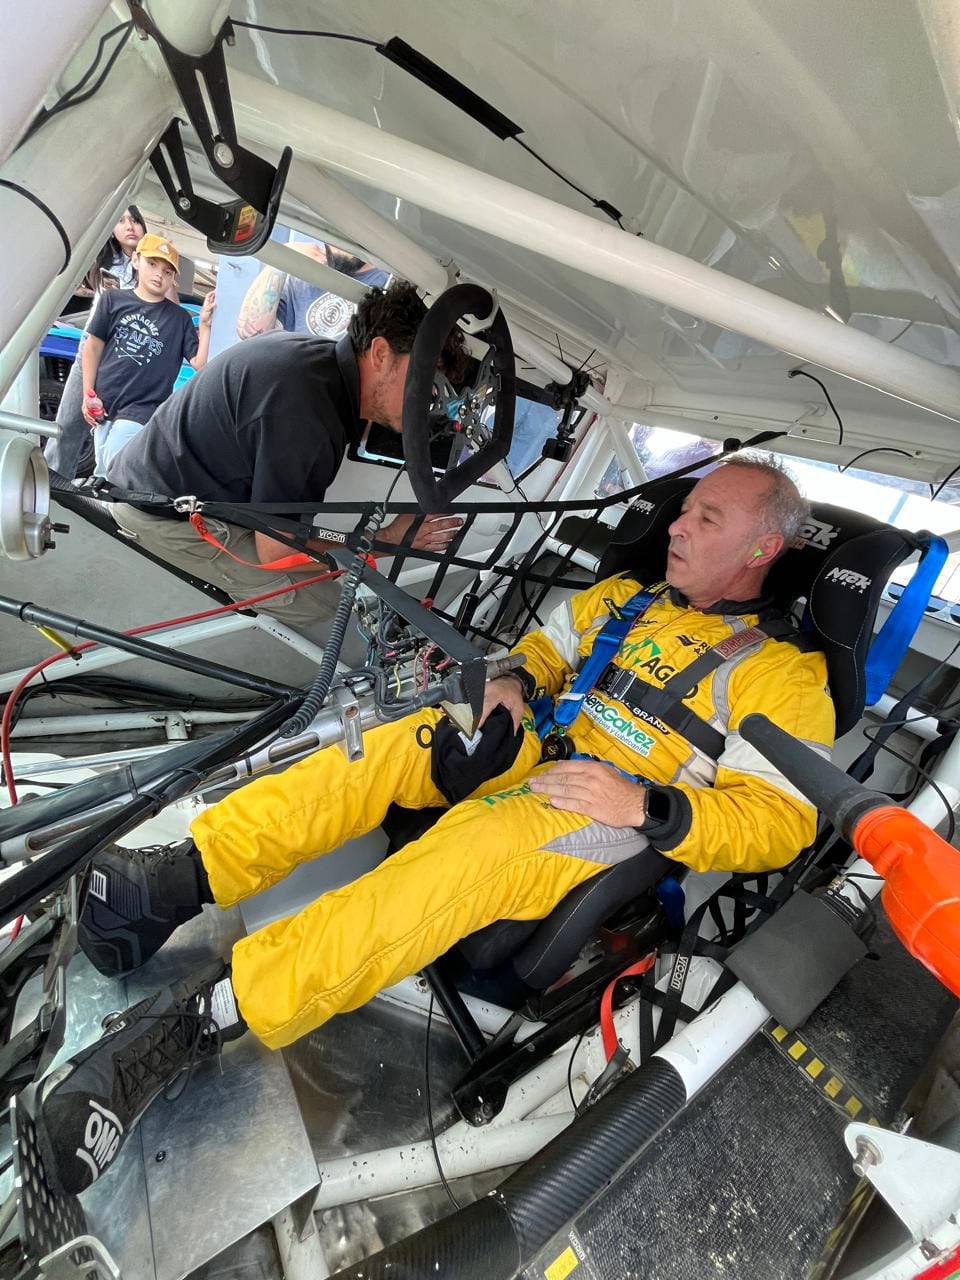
[
  {"x": 886, "y": 652},
  {"x": 611, "y": 636}
]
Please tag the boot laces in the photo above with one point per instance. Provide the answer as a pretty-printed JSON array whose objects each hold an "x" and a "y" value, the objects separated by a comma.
[
  {"x": 179, "y": 1033},
  {"x": 153, "y": 853}
]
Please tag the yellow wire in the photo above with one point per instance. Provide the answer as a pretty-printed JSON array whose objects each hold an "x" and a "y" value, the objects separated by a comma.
[{"x": 55, "y": 638}]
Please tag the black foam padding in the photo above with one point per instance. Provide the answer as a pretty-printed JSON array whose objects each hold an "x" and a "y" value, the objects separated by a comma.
[{"x": 789, "y": 972}]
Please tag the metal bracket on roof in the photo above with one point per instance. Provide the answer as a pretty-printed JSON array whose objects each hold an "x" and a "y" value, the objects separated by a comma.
[{"x": 238, "y": 226}]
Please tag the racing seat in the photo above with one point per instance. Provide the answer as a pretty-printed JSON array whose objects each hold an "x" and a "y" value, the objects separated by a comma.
[{"x": 831, "y": 581}]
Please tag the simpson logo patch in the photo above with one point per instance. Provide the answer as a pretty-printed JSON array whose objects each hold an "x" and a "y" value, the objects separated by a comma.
[{"x": 733, "y": 644}]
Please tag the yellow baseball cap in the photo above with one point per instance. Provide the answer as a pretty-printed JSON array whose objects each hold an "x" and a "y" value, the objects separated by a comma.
[{"x": 152, "y": 246}]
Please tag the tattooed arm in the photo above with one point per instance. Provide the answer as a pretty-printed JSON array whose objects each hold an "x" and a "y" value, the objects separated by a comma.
[{"x": 258, "y": 312}]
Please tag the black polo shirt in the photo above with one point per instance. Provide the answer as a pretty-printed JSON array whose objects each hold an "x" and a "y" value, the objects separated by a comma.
[{"x": 267, "y": 421}]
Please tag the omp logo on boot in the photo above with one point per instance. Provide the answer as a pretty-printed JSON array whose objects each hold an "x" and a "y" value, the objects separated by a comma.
[
  {"x": 817, "y": 534},
  {"x": 618, "y": 726},
  {"x": 847, "y": 578},
  {"x": 101, "y": 1138}
]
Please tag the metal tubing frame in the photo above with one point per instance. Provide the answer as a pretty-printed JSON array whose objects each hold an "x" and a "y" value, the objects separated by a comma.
[
  {"x": 141, "y": 648},
  {"x": 312, "y": 186},
  {"x": 30, "y": 66},
  {"x": 23, "y": 425},
  {"x": 284, "y": 258},
  {"x": 54, "y": 167},
  {"x": 502, "y": 209},
  {"x": 172, "y": 721}
]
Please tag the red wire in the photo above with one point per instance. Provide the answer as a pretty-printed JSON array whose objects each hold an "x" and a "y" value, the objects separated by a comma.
[{"x": 5, "y": 722}]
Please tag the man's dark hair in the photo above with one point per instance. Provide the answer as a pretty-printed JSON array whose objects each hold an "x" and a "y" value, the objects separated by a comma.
[{"x": 395, "y": 313}]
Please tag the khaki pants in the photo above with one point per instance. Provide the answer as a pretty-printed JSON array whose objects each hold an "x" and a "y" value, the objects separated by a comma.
[{"x": 308, "y": 611}]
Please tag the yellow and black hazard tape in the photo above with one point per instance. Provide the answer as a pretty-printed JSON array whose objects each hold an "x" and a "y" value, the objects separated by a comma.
[{"x": 838, "y": 1091}]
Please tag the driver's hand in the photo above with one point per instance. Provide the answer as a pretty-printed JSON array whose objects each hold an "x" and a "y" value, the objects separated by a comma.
[
  {"x": 505, "y": 691},
  {"x": 434, "y": 534}
]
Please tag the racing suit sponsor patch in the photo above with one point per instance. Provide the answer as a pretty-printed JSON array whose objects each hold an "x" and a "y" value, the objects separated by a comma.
[{"x": 618, "y": 726}]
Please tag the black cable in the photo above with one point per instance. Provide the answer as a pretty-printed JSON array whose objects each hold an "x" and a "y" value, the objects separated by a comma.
[
  {"x": 72, "y": 97},
  {"x": 880, "y": 449},
  {"x": 316, "y": 695},
  {"x": 793, "y": 373},
  {"x": 573, "y": 1055},
  {"x": 943, "y": 483},
  {"x": 305, "y": 31},
  {"x": 72, "y": 92},
  {"x": 920, "y": 772},
  {"x": 603, "y": 205},
  {"x": 426, "y": 1090},
  {"x": 48, "y": 214},
  {"x": 612, "y": 212}
]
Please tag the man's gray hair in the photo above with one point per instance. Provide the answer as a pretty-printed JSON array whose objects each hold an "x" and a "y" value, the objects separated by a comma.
[{"x": 785, "y": 509}]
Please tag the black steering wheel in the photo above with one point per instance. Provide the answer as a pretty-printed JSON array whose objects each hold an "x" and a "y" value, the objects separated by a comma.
[{"x": 429, "y": 398}]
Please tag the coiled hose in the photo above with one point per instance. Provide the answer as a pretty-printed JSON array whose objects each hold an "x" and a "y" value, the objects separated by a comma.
[{"x": 317, "y": 693}]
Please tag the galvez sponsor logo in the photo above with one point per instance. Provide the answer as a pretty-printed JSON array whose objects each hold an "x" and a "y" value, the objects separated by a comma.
[{"x": 618, "y": 726}]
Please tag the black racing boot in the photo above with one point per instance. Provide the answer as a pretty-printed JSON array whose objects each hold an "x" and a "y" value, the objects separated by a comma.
[
  {"x": 90, "y": 1105},
  {"x": 135, "y": 898}
]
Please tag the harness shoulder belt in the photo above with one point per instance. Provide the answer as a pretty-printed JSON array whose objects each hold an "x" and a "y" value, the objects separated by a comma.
[{"x": 645, "y": 699}]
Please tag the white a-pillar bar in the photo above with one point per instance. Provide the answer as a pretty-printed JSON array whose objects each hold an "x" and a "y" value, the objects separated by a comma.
[
  {"x": 265, "y": 113},
  {"x": 72, "y": 174}
]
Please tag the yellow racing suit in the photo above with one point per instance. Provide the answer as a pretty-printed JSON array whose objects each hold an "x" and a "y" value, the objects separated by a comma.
[{"x": 505, "y": 852}]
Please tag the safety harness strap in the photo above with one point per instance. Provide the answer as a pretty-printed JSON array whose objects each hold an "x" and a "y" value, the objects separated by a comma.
[
  {"x": 609, "y": 639},
  {"x": 887, "y": 650},
  {"x": 684, "y": 682},
  {"x": 644, "y": 699},
  {"x": 299, "y": 560}
]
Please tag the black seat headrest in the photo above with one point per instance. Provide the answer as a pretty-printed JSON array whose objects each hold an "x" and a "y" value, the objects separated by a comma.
[{"x": 839, "y": 565}]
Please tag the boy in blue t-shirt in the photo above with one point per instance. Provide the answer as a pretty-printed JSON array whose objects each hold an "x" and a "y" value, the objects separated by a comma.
[{"x": 136, "y": 341}]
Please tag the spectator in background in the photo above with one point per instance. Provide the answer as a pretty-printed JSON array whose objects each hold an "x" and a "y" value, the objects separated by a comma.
[
  {"x": 136, "y": 342},
  {"x": 113, "y": 269},
  {"x": 276, "y": 300}
]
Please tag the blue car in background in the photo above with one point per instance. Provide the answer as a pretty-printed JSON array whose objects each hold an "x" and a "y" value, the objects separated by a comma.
[{"x": 58, "y": 351}]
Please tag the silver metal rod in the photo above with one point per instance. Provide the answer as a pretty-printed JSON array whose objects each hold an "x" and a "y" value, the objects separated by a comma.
[
  {"x": 25, "y": 426},
  {"x": 112, "y": 722}
]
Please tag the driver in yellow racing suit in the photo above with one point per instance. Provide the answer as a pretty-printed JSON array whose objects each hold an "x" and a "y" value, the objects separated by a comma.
[{"x": 512, "y": 850}]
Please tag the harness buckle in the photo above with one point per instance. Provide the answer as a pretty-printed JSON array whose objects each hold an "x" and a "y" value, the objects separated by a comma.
[
  {"x": 556, "y": 746},
  {"x": 187, "y": 505}
]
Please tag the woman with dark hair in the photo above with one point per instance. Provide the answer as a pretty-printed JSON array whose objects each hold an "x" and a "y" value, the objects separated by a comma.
[
  {"x": 112, "y": 269},
  {"x": 115, "y": 259}
]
